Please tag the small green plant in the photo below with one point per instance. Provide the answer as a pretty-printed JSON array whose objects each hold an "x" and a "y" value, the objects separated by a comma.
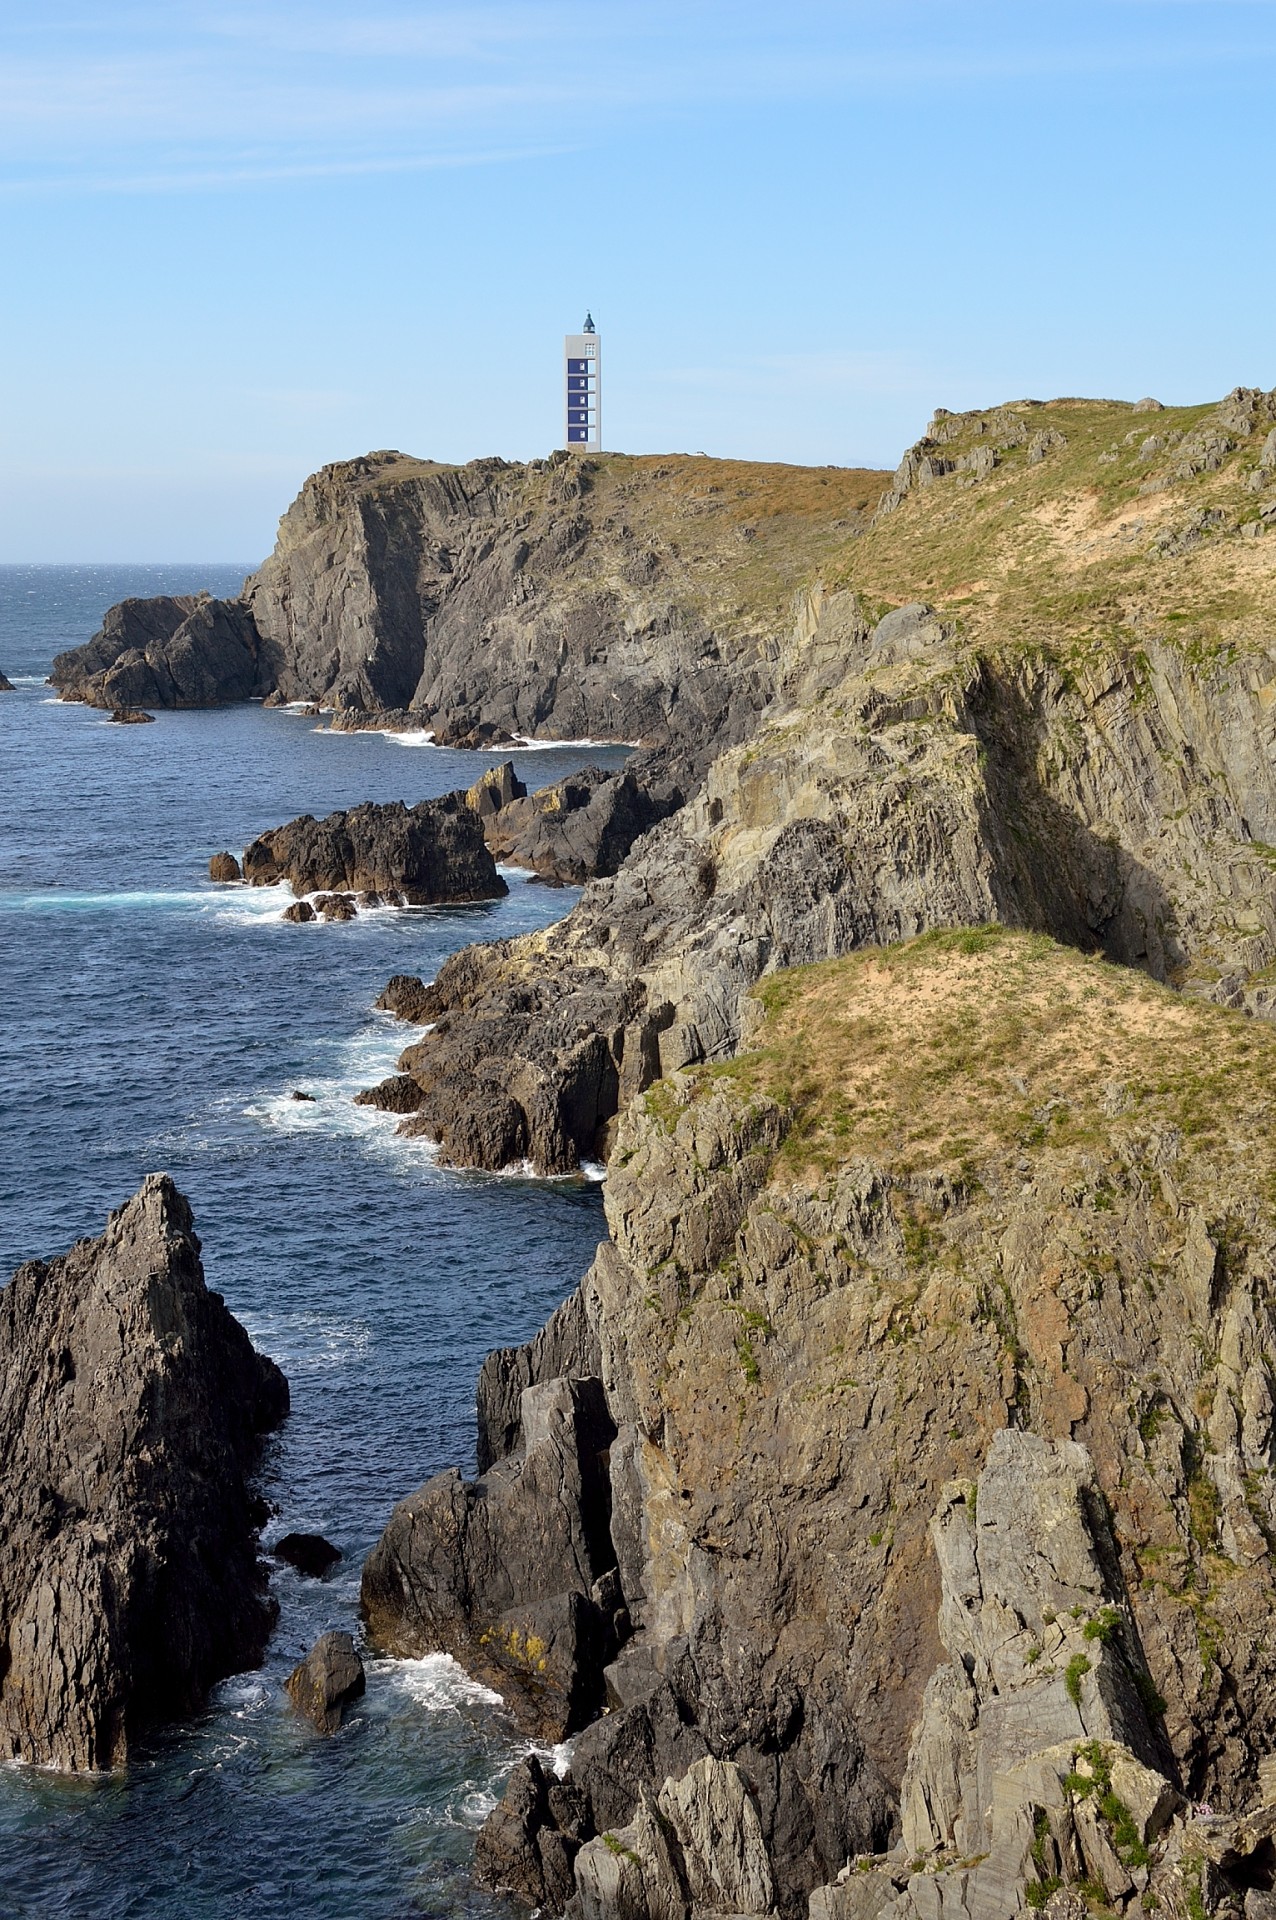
[
  {"x": 1192, "y": 1886},
  {"x": 1038, "y": 1891},
  {"x": 1032, "y": 1656},
  {"x": 1074, "y": 1673},
  {"x": 1104, "y": 1624},
  {"x": 748, "y": 1360},
  {"x": 875, "y": 1539}
]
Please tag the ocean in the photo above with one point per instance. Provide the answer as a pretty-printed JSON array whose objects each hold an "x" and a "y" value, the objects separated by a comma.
[{"x": 155, "y": 1021}]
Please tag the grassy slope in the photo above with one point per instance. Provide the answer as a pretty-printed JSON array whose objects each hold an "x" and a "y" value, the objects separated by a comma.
[
  {"x": 963, "y": 1051},
  {"x": 1065, "y": 550}
]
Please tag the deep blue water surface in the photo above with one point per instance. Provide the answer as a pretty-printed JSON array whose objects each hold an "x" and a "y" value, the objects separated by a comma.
[{"x": 152, "y": 1020}]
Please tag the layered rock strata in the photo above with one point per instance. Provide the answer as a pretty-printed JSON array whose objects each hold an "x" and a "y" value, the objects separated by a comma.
[
  {"x": 132, "y": 1407},
  {"x": 426, "y": 854},
  {"x": 933, "y": 1334}
]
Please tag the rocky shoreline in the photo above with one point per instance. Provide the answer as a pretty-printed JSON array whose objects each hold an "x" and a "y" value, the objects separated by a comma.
[{"x": 888, "y": 1518}]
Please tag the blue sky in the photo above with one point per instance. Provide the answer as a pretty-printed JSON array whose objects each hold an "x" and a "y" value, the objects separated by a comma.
[{"x": 241, "y": 240}]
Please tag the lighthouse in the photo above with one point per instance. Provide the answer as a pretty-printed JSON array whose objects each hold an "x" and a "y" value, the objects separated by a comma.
[{"x": 583, "y": 388}]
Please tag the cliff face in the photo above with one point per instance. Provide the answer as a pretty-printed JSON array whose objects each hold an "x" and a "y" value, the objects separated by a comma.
[
  {"x": 1124, "y": 803},
  {"x": 935, "y": 1334},
  {"x": 131, "y": 1411}
]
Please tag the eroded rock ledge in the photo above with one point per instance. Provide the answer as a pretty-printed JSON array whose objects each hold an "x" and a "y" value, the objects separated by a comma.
[{"x": 132, "y": 1407}]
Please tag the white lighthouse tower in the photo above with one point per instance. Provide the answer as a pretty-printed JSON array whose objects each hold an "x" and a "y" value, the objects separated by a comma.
[{"x": 583, "y": 388}]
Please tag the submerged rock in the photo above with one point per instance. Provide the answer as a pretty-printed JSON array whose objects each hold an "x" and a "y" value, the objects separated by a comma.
[
  {"x": 299, "y": 912},
  {"x": 6, "y": 685},
  {"x": 427, "y": 854},
  {"x": 328, "y": 1681},
  {"x": 309, "y": 1553},
  {"x": 130, "y": 716},
  {"x": 131, "y": 1410}
]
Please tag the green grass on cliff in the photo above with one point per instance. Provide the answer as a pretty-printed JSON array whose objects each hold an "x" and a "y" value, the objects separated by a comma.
[{"x": 963, "y": 1049}]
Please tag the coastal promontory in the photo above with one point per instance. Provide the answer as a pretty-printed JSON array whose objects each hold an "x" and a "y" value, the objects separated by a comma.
[{"x": 132, "y": 1409}]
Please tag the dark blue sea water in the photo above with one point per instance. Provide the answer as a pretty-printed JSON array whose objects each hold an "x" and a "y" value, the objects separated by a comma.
[{"x": 152, "y": 1020}]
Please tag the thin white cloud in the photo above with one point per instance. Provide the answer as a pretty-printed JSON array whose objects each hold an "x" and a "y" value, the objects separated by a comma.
[
  {"x": 213, "y": 97},
  {"x": 253, "y": 173}
]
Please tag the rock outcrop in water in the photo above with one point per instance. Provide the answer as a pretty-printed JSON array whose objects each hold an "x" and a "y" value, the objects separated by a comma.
[
  {"x": 516, "y": 1574},
  {"x": 324, "y": 1685},
  {"x": 132, "y": 1407},
  {"x": 934, "y": 1337},
  {"x": 424, "y": 855},
  {"x": 185, "y": 650}
]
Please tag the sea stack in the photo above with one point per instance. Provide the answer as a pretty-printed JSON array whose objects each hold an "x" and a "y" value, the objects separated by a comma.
[{"x": 132, "y": 1406}]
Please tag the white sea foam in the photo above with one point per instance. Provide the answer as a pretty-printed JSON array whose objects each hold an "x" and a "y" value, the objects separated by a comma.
[
  {"x": 526, "y": 745},
  {"x": 436, "y": 1682},
  {"x": 307, "y": 1342},
  {"x": 366, "y": 1058}
]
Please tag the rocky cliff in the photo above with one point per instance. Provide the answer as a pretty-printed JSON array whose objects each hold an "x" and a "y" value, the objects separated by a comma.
[
  {"x": 172, "y": 651},
  {"x": 928, "y": 1466},
  {"x": 132, "y": 1407},
  {"x": 613, "y": 598},
  {"x": 1072, "y": 731}
]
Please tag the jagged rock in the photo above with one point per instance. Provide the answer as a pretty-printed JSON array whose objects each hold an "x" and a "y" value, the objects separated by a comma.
[
  {"x": 495, "y": 789},
  {"x": 297, "y": 1094},
  {"x": 581, "y": 827},
  {"x": 429, "y": 853},
  {"x": 566, "y": 1348},
  {"x": 173, "y": 651},
  {"x": 130, "y": 716},
  {"x": 327, "y": 1682},
  {"x": 697, "y": 1848},
  {"x": 528, "y": 1845},
  {"x": 408, "y": 997},
  {"x": 309, "y": 1553},
  {"x": 464, "y": 730},
  {"x": 6, "y": 685},
  {"x": 299, "y": 912},
  {"x": 131, "y": 1410},
  {"x": 506, "y": 1573},
  {"x": 399, "y": 1094},
  {"x": 335, "y": 906},
  {"x": 224, "y": 866}
]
